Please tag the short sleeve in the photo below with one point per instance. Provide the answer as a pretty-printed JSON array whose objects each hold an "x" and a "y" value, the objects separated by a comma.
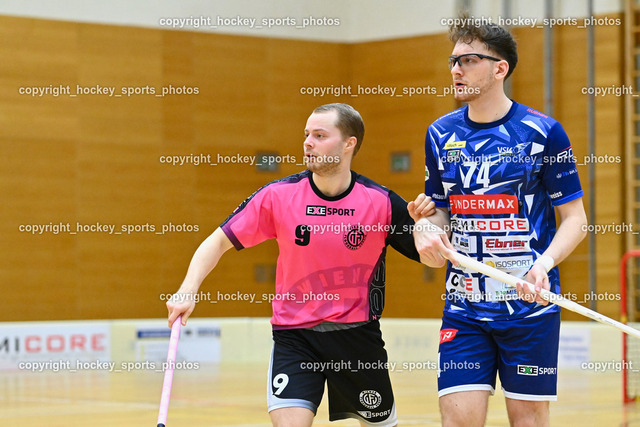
[
  {"x": 401, "y": 236},
  {"x": 559, "y": 173},
  {"x": 432, "y": 183},
  {"x": 252, "y": 222}
]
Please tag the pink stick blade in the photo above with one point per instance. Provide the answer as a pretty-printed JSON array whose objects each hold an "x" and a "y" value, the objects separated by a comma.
[{"x": 168, "y": 373}]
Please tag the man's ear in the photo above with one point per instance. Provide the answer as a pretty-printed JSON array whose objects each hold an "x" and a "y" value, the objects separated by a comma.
[
  {"x": 351, "y": 143},
  {"x": 502, "y": 69}
]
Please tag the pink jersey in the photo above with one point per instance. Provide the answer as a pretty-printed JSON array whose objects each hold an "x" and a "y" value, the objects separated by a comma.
[{"x": 332, "y": 249}]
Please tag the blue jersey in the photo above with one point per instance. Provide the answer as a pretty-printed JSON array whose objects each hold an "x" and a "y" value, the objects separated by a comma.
[{"x": 500, "y": 182}]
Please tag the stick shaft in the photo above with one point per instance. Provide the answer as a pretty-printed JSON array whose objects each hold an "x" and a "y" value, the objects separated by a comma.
[
  {"x": 545, "y": 294},
  {"x": 168, "y": 373}
]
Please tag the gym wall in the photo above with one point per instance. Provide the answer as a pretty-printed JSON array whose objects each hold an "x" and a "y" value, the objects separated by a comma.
[{"x": 98, "y": 159}]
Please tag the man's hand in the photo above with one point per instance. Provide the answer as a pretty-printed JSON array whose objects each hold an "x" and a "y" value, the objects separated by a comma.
[
  {"x": 538, "y": 277},
  {"x": 433, "y": 246},
  {"x": 421, "y": 207},
  {"x": 180, "y": 304}
]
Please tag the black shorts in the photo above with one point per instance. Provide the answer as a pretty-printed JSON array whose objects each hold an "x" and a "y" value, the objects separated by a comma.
[{"x": 352, "y": 361}]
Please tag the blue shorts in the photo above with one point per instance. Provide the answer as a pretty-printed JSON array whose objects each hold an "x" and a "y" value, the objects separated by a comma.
[{"x": 524, "y": 352}]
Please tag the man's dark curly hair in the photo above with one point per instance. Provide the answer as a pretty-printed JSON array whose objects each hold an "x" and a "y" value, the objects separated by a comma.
[{"x": 495, "y": 38}]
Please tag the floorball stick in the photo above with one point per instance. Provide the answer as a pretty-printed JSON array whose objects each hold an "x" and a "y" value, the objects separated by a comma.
[
  {"x": 168, "y": 373},
  {"x": 545, "y": 294}
]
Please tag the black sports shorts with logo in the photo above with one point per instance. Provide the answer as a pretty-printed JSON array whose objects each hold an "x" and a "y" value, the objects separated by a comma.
[{"x": 352, "y": 360}]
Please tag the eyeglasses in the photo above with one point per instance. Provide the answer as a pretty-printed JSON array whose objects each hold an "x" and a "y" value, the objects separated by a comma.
[{"x": 469, "y": 59}]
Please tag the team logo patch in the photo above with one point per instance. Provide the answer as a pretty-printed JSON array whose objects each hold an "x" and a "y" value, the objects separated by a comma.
[
  {"x": 447, "y": 335},
  {"x": 370, "y": 399},
  {"x": 453, "y": 156},
  {"x": 556, "y": 195},
  {"x": 455, "y": 144},
  {"x": 369, "y": 414},
  {"x": 484, "y": 204},
  {"x": 513, "y": 151},
  {"x": 510, "y": 263},
  {"x": 506, "y": 244},
  {"x": 528, "y": 370},
  {"x": 566, "y": 156},
  {"x": 464, "y": 242},
  {"x": 468, "y": 282},
  {"x": 316, "y": 210},
  {"x": 354, "y": 238},
  {"x": 473, "y": 225}
]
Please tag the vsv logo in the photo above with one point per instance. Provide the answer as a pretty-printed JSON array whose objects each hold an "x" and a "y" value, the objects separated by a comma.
[{"x": 512, "y": 151}]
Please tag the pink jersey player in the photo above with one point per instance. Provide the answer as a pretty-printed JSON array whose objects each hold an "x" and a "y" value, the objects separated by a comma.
[
  {"x": 332, "y": 249},
  {"x": 332, "y": 226}
]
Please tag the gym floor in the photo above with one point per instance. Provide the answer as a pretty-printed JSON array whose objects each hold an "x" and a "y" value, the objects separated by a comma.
[{"x": 225, "y": 395}]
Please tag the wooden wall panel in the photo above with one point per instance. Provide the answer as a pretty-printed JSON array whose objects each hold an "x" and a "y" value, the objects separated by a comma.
[
  {"x": 97, "y": 159},
  {"x": 38, "y": 169},
  {"x": 399, "y": 123},
  {"x": 609, "y": 141},
  {"x": 570, "y": 108},
  {"x": 527, "y": 80}
]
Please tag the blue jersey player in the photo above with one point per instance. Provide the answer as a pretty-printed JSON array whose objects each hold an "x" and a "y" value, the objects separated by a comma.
[{"x": 498, "y": 172}]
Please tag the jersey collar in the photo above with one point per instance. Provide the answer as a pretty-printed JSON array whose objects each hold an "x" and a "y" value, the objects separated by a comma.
[
  {"x": 320, "y": 194},
  {"x": 503, "y": 120}
]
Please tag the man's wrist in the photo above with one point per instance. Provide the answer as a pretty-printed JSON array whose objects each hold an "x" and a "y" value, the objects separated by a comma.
[
  {"x": 546, "y": 261},
  {"x": 424, "y": 225}
]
